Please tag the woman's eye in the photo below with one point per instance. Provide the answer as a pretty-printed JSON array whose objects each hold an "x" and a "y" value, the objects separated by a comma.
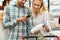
[
  {"x": 34, "y": 4},
  {"x": 38, "y": 5}
]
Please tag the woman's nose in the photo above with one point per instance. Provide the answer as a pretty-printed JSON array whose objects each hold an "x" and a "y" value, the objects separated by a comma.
[{"x": 36, "y": 6}]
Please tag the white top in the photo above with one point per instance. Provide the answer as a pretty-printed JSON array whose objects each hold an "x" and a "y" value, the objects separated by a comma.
[{"x": 40, "y": 19}]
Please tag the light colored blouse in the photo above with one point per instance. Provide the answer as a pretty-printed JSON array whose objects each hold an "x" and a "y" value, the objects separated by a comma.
[{"x": 41, "y": 19}]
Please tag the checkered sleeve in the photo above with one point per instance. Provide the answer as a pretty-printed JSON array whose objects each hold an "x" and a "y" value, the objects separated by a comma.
[{"x": 7, "y": 23}]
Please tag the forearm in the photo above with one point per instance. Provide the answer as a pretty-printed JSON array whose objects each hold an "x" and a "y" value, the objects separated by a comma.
[{"x": 9, "y": 24}]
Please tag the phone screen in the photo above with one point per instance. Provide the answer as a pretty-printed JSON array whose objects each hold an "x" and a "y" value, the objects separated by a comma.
[{"x": 28, "y": 16}]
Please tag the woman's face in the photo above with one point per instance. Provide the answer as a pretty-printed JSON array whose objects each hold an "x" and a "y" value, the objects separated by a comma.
[{"x": 36, "y": 5}]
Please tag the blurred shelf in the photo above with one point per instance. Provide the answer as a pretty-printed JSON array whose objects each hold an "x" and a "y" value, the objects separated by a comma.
[
  {"x": 1, "y": 16},
  {"x": 56, "y": 28},
  {"x": 1, "y": 7}
]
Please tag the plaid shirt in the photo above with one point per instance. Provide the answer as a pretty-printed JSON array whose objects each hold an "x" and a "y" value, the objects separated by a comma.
[{"x": 11, "y": 13}]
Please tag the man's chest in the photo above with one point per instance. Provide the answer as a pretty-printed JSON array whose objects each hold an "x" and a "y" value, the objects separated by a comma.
[{"x": 16, "y": 13}]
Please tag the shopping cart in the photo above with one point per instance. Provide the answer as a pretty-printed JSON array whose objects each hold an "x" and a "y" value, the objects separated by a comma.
[
  {"x": 53, "y": 37},
  {"x": 23, "y": 37}
]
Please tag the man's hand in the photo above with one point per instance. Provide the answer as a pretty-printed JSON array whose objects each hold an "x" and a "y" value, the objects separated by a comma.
[{"x": 21, "y": 19}]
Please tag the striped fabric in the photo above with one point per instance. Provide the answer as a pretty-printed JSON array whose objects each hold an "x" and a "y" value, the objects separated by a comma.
[
  {"x": 16, "y": 30},
  {"x": 41, "y": 18}
]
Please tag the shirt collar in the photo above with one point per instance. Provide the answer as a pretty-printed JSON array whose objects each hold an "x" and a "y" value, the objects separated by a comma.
[{"x": 16, "y": 6}]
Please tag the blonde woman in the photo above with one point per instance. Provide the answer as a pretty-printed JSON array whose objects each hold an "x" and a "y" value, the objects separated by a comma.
[{"x": 40, "y": 16}]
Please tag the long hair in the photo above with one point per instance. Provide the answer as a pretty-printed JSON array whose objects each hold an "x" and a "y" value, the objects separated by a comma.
[{"x": 42, "y": 8}]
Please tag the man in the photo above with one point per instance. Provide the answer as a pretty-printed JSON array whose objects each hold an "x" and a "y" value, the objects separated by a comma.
[{"x": 14, "y": 18}]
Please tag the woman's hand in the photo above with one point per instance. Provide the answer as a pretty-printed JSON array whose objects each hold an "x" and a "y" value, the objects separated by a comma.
[{"x": 46, "y": 28}]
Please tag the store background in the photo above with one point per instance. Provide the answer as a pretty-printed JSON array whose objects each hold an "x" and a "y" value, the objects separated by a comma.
[{"x": 53, "y": 6}]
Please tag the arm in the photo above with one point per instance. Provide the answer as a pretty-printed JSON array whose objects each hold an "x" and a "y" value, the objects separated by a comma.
[
  {"x": 46, "y": 20},
  {"x": 7, "y": 23}
]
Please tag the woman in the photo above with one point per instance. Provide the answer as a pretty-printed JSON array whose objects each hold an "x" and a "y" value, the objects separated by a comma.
[{"x": 40, "y": 16}]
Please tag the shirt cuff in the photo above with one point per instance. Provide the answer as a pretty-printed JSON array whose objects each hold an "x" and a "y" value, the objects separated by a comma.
[{"x": 14, "y": 22}]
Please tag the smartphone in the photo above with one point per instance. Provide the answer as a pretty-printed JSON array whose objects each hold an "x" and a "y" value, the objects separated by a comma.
[{"x": 28, "y": 16}]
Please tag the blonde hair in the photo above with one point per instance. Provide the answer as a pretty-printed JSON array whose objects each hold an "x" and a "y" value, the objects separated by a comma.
[{"x": 42, "y": 9}]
